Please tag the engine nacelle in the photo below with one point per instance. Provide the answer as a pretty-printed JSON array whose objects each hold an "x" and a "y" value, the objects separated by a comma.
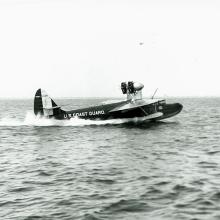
[
  {"x": 132, "y": 89},
  {"x": 138, "y": 86},
  {"x": 124, "y": 87}
]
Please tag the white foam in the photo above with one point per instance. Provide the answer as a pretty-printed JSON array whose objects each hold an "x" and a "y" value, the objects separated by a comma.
[{"x": 32, "y": 120}]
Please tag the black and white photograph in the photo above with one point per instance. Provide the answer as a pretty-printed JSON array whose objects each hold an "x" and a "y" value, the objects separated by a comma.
[{"x": 109, "y": 110}]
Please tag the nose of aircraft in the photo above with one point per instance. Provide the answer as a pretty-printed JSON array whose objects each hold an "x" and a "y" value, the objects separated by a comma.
[
  {"x": 170, "y": 110},
  {"x": 176, "y": 108},
  {"x": 179, "y": 106}
]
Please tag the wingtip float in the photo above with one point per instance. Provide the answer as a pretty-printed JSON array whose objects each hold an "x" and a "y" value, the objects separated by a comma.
[{"x": 133, "y": 107}]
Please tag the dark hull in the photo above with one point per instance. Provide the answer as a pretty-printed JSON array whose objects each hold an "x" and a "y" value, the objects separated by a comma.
[{"x": 104, "y": 112}]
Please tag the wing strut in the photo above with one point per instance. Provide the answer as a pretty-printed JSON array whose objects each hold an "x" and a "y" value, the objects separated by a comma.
[
  {"x": 154, "y": 93},
  {"x": 143, "y": 111}
]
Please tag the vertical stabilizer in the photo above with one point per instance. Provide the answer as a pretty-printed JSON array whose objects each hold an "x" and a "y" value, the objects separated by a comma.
[
  {"x": 38, "y": 104},
  {"x": 44, "y": 105}
]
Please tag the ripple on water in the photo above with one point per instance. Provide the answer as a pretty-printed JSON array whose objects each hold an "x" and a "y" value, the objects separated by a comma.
[
  {"x": 20, "y": 189},
  {"x": 105, "y": 181},
  {"x": 6, "y": 203},
  {"x": 35, "y": 217},
  {"x": 44, "y": 173},
  {"x": 213, "y": 152},
  {"x": 215, "y": 196},
  {"x": 207, "y": 164},
  {"x": 143, "y": 178},
  {"x": 128, "y": 205},
  {"x": 91, "y": 217},
  {"x": 65, "y": 202},
  {"x": 162, "y": 183},
  {"x": 37, "y": 182}
]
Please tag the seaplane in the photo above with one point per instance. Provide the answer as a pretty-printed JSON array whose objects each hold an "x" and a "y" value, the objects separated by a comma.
[{"x": 134, "y": 106}]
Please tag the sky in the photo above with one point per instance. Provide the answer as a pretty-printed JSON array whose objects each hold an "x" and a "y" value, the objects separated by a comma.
[{"x": 86, "y": 48}]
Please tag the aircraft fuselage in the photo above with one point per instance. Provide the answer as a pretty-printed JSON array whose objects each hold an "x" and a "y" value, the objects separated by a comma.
[{"x": 104, "y": 112}]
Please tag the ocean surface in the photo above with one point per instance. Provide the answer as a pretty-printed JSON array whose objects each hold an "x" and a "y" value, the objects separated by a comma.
[{"x": 114, "y": 169}]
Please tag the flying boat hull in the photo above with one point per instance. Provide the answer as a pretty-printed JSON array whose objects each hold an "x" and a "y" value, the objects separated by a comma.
[{"x": 149, "y": 109}]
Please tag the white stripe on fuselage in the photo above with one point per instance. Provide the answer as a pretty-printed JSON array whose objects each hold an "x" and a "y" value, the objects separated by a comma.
[{"x": 47, "y": 104}]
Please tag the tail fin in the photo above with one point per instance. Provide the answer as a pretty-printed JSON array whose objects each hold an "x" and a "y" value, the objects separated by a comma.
[{"x": 44, "y": 105}]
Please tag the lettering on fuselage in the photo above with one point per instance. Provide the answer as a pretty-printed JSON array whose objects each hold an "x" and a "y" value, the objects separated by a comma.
[{"x": 84, "y": 114}]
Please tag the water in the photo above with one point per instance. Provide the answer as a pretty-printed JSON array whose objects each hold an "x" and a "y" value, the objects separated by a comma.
[{"x": 110, "y": 170}]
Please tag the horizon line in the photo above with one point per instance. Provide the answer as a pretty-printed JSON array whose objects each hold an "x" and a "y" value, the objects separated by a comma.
[{"x": 114, "y": 97}]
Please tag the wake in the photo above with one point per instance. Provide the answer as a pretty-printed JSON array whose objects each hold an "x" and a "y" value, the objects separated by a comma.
[{"x": 33, "y": 120}]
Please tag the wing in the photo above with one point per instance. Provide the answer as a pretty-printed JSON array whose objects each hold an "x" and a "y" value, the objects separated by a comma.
[
  {"x": 133, "y": 105},
  {"x": 139, "y": 105}
]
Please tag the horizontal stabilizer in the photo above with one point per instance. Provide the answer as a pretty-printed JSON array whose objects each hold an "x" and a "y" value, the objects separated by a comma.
[{"x": 49, "y": 108}]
